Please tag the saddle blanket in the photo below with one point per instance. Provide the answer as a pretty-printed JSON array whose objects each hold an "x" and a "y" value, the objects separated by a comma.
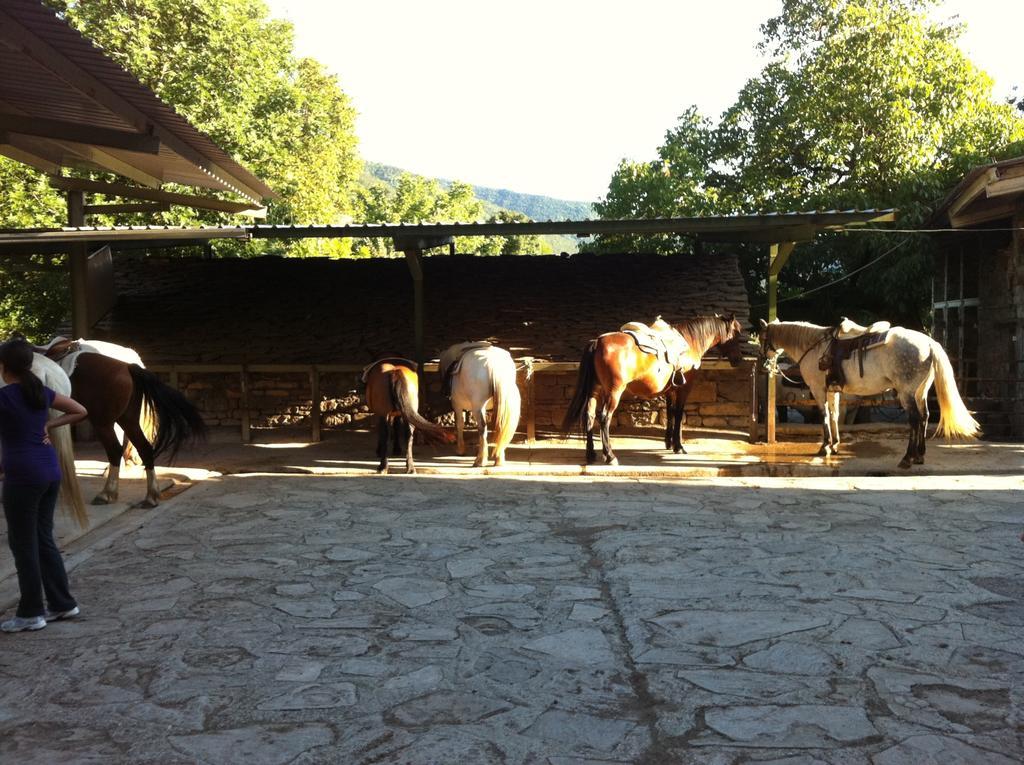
[
  {"x": 456, "y": 366},
  {"x": 75, "y": 348}
]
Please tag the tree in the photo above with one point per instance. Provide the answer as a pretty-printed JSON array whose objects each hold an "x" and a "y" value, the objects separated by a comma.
[
  {"x": 864, "y": 103},
  {"x": 229, "y": 68},
  {"x": 415, "y": 199}
]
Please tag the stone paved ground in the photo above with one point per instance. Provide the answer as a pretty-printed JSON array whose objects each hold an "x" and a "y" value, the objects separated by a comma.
[{"x": 300, "y": 619}]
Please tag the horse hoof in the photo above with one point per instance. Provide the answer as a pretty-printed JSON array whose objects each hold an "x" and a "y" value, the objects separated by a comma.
[
  {"x": 99, "y": 499},
  {"x": 410, "y": 471},
  {"x": 680, "y": 450},
  {"x": 382, "y": 471},
  {"x": 918, "y": 460},
  {"x": 478, "y": 463},
  {"x": 612, "y": 461},
  {"x": 905, "y": 464},
  {"x": 148, "y": 502},
  {"x": 822, "y": 452}
]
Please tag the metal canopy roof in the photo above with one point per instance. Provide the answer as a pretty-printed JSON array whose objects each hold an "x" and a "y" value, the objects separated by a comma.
[
  {"x": 65, "y": 104},
  {"x": 769, "y": 228}
]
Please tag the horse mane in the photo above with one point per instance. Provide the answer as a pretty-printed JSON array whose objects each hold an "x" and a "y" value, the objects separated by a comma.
[
  {"x": 703, "y": 332},
  {"x": 799, "y": 334}
]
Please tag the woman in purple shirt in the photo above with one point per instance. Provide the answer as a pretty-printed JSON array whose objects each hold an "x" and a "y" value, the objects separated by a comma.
[{"x": 31, "y": 483}]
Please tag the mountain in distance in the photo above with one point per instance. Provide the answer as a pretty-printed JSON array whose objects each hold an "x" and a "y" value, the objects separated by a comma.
[{"x": 534, "y": 206}]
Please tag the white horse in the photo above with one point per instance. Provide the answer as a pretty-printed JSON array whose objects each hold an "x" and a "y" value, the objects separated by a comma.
[
  {"x": 907, "y": 361},
  {"x": 53, "y": 377},
  {"x": 476, "y": 375}
]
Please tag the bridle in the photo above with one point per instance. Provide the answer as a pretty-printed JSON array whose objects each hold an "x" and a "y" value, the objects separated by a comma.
[{"x": 772, "y": 364}]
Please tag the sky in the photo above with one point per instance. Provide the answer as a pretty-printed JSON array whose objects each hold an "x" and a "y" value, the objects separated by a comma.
[{"x": 547, "y": 96}]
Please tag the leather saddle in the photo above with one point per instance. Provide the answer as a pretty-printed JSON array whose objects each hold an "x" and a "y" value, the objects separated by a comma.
[
  {"x": 661, "y": 339},
  {"x": 57, "y": 348},
  {"x": 849, "y": 338},
  {"x": 453, "y": 369}
]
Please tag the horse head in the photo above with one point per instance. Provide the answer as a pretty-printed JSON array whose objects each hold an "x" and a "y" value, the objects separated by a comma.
[
  {"x": 768, "y": 349},
  {"x": 730, "y": 345}
]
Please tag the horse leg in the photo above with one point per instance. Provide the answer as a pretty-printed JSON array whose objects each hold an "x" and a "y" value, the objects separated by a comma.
[
  {"x": 914, "y": 419},
  {"x": 834, "y": 420},
  {"x": 460, "y": 426},
  {"x": 822, "y": 397},
  {"x": 589, "y": 416},
  {"x": 410, "y": 466},
  {"x": 399, "y": 433},
  {"x": 108, "y": 439},
  {"x": 611, "y": 403},
  {"x": 922, "y": 428},
  {"x": 383, "y": 433},
  {"x": 677, "y": 431},
  {"x": 670, "y": 408},
  {"x": 133, "y": 432},
  {"x": 481, "y": 419}
]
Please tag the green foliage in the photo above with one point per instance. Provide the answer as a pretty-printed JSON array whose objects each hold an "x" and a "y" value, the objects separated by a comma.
[
  {"x": 415, "y": 199},
  {"x": 229, "y": 68},
  {"x": 533, "y": 206},
  {"x": 498, "y": 202},
  {"x": 865, "y": 103}
]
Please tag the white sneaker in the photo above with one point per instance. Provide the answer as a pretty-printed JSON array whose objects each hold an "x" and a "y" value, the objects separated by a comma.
[
  {"x": 56, "y": 616},
  {"x": 23, "y": 623}
]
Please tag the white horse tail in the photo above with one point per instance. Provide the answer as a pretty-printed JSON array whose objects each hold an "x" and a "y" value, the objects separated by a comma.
[
  {"x": 507, "y": 403},
  {"x": 70, "y": 491},
  {"x": 955, "y": 420}
]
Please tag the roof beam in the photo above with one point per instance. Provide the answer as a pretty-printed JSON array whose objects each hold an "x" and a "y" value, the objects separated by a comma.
[
  {"x": 112, "y": 164},
  {"x": 79, "y": 133},
  {"x": 9, "y": 149},
  {"x": 971, "y": 193},
  {"x": 1003, "y": 186},
  {"x": 984, "y": 214},
  {"x": 156, "y": 195},
  {"x": 142, "y": 207},
  {"x": 92, "y": 88}
]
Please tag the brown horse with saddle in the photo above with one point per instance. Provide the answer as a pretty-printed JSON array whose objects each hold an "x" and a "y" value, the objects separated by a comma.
[
  {"x": 116, "y": 392},
  {"x": 646, "y": 362},
  {"x": 392, "y": 393}
]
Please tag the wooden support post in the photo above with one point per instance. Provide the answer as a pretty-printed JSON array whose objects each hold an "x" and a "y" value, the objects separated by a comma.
[
  {"x": 413, "y": 257},
  {"x": 243, "y": 405},
  {"x": 78, "y": 267},
  {"x": 755, "y": 426},
  {"x": 531, "y": 408},
  {"x": 777, "y": 257},
  {"x": 315, "y": 410}
]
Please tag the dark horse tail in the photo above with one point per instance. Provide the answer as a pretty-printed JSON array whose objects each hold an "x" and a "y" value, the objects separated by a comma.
[
  {"x": 403, "y": 399},
  {"x": 585, "y": 381},
  {"x": 178, "y": 422}
]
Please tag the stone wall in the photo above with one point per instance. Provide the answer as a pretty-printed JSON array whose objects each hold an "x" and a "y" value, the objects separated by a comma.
[
  {"x": 186, "y": 311},
  {"x": 720, "y": 398}
]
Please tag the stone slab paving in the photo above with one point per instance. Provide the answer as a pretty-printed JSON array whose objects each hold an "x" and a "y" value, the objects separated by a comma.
[{"x": 299, "y": 619}]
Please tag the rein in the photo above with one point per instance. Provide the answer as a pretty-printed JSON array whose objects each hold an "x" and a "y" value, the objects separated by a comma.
[{"x": 773, "y": 364}]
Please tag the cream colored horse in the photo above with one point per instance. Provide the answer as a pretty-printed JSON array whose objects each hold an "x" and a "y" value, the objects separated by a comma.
[
  {"x": 53, "y": 377},
  {"x": 907, "y": 362},
  {"x": 480, "y": 375}
]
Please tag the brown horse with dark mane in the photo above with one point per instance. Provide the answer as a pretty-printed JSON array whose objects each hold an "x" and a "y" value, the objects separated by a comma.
[
  {"x": 115, "y": 392},
  {"x": 392, "y": 393},
  {"x": 614, "y": 364}
]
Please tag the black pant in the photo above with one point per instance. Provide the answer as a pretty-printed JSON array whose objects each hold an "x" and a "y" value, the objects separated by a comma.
[{"x": 29, "y": 512}]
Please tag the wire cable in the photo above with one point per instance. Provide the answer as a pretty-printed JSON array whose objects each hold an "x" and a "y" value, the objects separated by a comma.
[{"x": 885, "y": 254}]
